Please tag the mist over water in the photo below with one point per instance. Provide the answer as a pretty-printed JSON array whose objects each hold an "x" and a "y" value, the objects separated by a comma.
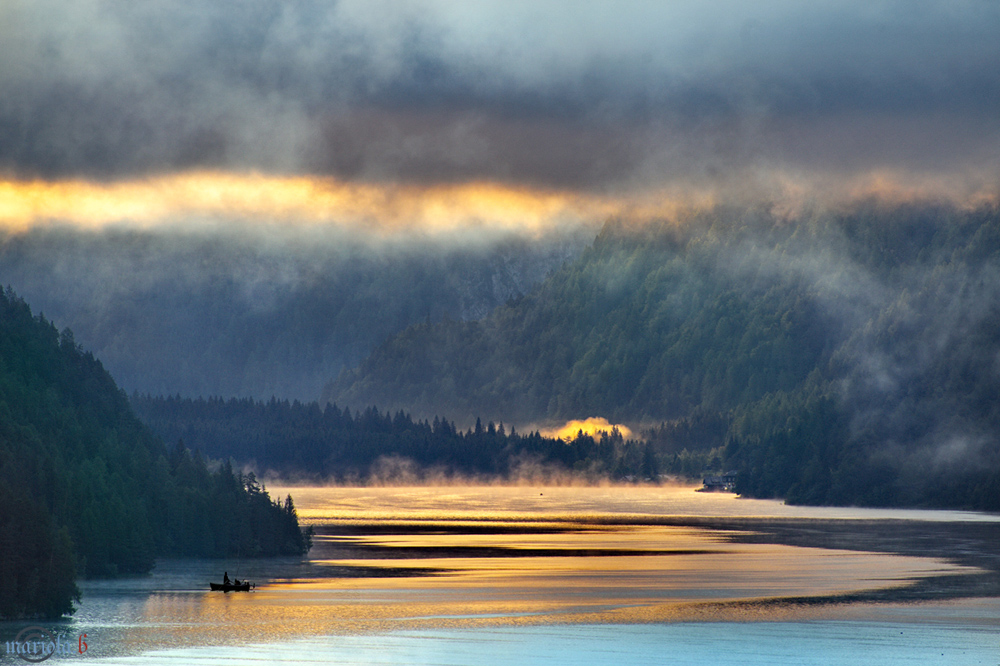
[{"x": 535, "y": 502}]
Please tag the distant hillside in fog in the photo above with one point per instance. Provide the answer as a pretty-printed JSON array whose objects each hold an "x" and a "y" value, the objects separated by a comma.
[
  {"x": 220, "y": 314},
  {"x": 850, "y": 358}
]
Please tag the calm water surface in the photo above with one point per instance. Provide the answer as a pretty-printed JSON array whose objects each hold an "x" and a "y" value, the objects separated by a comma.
[{"x": 505, "y": 575}]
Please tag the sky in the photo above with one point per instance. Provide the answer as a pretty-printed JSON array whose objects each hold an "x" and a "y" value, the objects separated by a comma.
[{"x": 438, "y": 116}]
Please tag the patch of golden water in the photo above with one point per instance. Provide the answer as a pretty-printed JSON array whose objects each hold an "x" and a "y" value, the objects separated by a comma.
[
  {"x": 579, "y": 568},
  {"x": 318, "y": 505}
]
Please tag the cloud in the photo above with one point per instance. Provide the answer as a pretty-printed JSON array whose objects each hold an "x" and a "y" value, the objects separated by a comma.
[
  {"x": 593, "y": 426},
  {"x": 206, "y": 200},
  {"x": 312, "y": 207},
  {"x": 557, "y": 95}
]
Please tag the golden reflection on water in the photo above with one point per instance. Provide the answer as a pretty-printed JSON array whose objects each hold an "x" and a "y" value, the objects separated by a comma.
[
  {"x": 660, "y": 565},
  {"x": 502, "y": 555},
  {"x": 512, "y": 502}
]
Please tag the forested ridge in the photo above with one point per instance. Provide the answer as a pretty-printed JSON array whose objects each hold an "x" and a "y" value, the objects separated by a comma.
[
  {"x": 306, "y": 441},
  {"x": 86, "y": 488},
  {"x": 851, "y": 356},
  {"x": 197, "y": 314},
  {"x": 647, "y": 325}
]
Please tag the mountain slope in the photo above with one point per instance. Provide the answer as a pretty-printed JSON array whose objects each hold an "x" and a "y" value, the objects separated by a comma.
[
  {"x": 85, "y": 487},
  {"x": 215, "y": 314},
  {"x": 842, "y": 349},
  {"x": 646, "y": 325}
]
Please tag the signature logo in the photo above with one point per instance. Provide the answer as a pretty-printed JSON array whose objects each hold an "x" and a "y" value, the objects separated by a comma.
[{"x": 34, "y": 644}]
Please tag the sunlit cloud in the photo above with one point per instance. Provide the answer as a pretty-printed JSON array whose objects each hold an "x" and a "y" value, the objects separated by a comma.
[
  {"x": 696, "y": 98},
  {"x": 210, "y": 199},
  {"x": 206, "y": 200},
  {"x": 230, "y": 197},
  {"x": 592, "y": 426}
]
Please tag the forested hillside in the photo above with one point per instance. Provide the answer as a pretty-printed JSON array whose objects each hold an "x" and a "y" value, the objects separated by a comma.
[
  {"x": 852, "y": 356},
  {"x": 306, "y": 441},
  {"x": 86, "y": 489},
  {"x": 647, "y": 325},
  {"x": 170, "y": 312}
]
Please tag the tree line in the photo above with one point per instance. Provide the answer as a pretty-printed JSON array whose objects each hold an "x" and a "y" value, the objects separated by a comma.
[
  {"x": 86, "y": 489},
  {"x": 306, "y": 440}
]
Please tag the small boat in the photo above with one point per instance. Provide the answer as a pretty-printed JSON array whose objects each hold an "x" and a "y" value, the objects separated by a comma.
[{"x": 230, "y": 587}]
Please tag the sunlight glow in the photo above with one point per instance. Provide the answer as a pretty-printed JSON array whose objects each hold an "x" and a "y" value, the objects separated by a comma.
[
  {"x": 592, "y": 426},
  {"x": 205, "y": 197},
  {"x": 203, "y": 200}
]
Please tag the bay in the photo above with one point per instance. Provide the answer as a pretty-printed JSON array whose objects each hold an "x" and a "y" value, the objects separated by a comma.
[{"x": 523, "y": 574}]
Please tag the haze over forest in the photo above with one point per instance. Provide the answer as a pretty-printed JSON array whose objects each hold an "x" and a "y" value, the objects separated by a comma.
[
  {"x": 221, "y": 315},
  {"x": 778, "y": 222}
]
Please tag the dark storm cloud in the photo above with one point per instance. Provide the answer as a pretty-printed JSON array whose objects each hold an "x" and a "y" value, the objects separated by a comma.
[{"x": 558, "y": 93}]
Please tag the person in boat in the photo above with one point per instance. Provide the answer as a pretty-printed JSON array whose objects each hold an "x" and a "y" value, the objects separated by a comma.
[{"x": 225, "y": 578}]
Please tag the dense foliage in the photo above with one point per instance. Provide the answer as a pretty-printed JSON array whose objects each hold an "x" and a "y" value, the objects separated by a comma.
[
  {"x": 841, "y": 358},
  {"x": 305, "y": 440},
  {"x": 85, "y": 487},
  {"x": 644, "y": 326}
]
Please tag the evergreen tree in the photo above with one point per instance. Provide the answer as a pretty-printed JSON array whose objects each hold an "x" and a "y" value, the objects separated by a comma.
[{"x": 86, "y": 488}]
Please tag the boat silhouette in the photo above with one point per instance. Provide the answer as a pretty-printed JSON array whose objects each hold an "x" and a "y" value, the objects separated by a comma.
[{"x": 245, "y": 586}]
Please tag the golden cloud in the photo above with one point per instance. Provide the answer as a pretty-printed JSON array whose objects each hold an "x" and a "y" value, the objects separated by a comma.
[
  {"x": 592, "y": 426},
  {"x": 206, "y": 198},
  {"x": 226, "y": 197}
]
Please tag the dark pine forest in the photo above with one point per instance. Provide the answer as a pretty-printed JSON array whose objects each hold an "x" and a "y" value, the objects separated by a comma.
[
  {"x": 305, "y": 441},
  {"x": 87, "y": 489}
]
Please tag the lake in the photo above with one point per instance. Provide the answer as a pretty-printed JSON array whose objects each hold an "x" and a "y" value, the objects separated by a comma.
[{"x": 531, "y": 575}]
